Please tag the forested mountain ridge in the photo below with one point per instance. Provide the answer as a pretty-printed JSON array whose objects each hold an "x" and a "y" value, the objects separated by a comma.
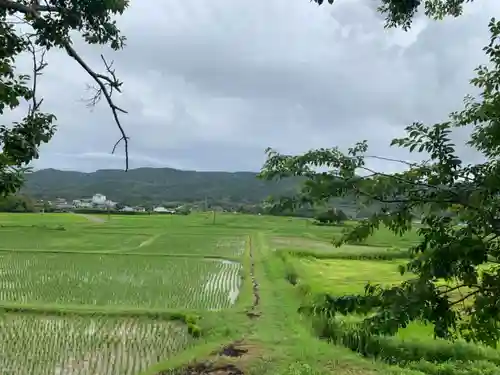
[{"x": 155, "y": 185}]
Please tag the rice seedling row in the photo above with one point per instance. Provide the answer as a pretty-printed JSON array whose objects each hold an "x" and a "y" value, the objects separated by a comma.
[
  {"x": 226, "y": 282},
  {"x": 72, "y": 345},
  {"x": 202, "y": 245},
  {"x": 117, "y": 281}
]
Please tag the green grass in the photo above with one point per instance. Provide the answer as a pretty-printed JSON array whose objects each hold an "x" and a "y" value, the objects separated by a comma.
[
  {"x": 202, "y": 244},
  {"x": 7, "y": 219},
  {"x": 343, "y": 277},
  {"x": 74, "y": 239},
  {"x": 345, "y": 271}
]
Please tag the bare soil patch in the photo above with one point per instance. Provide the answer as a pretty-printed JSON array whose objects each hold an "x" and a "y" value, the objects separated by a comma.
[
  {"x": 212, "y": 369},
  {"x": 235, "y": 349},
  {"x": 232, "y": 359}
]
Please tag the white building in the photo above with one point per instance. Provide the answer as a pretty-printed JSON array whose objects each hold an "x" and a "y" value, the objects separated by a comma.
[
  {"x": 99, "y": 199},
  {"x": 82, "y": 203},
  {"x": 110, "y": 204},
  {"x": 163, "y": 210}
]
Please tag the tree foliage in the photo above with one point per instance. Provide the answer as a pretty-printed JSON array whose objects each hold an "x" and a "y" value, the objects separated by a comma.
[
  {"x": 33, "y": 27},
  {"x": 17, "y": 203},
  {"x": 455, "y": 268},
  {"x": 401, "y": 12},
  {"x": 331, "y": 216}
]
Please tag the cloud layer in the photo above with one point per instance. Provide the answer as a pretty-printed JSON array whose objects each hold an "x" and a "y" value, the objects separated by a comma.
[{"x": 210, "y": 85}]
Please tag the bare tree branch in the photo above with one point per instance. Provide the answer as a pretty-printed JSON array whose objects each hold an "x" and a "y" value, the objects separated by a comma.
[
  {"x": 399, "y": 161},
  {"x": 105, "y": 84},
  {"x": 107, "y": 94},
  {"x": 38, "y": 65}
]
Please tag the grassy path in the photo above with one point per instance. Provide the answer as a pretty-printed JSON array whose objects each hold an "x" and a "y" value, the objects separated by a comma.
[{"x": 271, "y": 338}]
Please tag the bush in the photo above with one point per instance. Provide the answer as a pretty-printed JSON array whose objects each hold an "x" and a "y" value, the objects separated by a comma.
[
  {"x": 333, "y": 216},
  {"x": 194, "y": 330}
]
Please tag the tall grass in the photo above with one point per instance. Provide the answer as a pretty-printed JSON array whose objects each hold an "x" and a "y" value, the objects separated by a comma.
[{"x": 429, "y": 356}]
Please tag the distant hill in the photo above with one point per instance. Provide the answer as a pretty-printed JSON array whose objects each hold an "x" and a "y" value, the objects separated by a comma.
[{"x": 155, "y": 186}]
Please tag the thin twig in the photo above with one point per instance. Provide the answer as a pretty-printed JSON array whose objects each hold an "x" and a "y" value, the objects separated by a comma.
[
  {"x": 467, "y": 296},
  {"x": 38, "y": 66},
  {"x": 408, "y": 163}
]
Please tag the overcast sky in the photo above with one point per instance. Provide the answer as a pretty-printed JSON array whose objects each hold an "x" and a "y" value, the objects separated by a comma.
[{"x": 209, "y": 85}]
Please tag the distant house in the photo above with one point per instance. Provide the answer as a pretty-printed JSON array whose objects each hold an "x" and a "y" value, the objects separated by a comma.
[
  {"x": 127, "y": 209},
  {"x": 163, "y": 210},
  {"x": 82, "y": 203},
  {"x": 60, "y": 204},
  {"x": 99, "y": 199},
  {"x": 139, "y": 209},
  {"x": 110, "y": 203},
  {"x": 86, "y": 204},
  {"x": 60, "y": 201},
  {"x": 64, "y": 207}
]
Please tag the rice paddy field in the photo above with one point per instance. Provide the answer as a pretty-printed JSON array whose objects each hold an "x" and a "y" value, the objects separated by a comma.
[
  {"x": 83, "y": 297},
  {"x": 128, "y": 294}
]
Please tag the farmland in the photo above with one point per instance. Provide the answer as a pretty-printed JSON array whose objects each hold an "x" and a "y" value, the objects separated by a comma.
[
  {"x": 133, "y": 294},
  {"x": 85, "y": 345},
  {"x": 99, "y": 297}
]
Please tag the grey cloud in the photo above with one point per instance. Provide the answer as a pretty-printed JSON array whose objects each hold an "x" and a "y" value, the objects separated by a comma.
[{"x": 211, "y": 85}]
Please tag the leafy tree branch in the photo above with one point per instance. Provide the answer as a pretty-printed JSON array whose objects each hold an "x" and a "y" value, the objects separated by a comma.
[
  {"x": 51, "y": 23},
  {"x": 400, "y": 13},
  {"x": 459, "y": 205}
]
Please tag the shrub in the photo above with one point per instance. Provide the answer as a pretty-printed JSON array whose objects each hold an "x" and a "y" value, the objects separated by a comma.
[{"x": 332, "y": 216}]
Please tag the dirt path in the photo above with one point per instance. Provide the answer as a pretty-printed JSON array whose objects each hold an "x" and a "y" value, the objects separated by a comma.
[
  {"x": 91, "y": 218},
  {"x": 232, "y": 358},
  {"x": 255, "y": 285}
]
